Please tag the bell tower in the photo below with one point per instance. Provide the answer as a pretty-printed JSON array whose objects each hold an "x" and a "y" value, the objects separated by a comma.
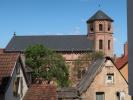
[{"x": 100, "y": 30}]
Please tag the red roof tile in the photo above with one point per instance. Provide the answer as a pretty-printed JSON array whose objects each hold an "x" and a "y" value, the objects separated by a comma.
[
  {"x": 7, "y": 63},
  {"x": 120, "y": 62},
  {"x": 41, "y": 92}
]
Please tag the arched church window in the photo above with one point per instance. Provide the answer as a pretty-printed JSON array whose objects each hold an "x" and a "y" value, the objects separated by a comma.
[
  {"x": 100, "y": 27},
  {"x": 100, "y": 44}
]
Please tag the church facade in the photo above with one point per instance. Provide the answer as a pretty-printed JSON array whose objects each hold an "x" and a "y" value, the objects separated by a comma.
[{"x": 99, "y": 38}]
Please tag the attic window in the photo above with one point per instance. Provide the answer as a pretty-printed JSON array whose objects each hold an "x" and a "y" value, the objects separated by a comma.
[{"x": 110, "y": 78}]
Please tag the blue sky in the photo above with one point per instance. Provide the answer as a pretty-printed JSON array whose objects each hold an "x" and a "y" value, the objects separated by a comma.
[{"x": 59, "y": 17}]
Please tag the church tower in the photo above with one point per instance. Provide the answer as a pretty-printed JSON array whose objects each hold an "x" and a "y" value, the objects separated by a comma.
[{"x": 100, "y": 30}]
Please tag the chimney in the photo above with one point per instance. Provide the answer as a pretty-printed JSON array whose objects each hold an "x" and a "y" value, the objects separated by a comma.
[{"x": 126, "y": 49}]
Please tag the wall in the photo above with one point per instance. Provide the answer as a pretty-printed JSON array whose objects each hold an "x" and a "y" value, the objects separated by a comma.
[{"x": 124, "y": 72}]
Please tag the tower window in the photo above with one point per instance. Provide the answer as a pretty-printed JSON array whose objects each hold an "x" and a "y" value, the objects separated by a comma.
[
  {"x": 109, "y": 44},
  {"x": 109, "y": 27},
  {"x": 91, "y": 27},
  {"x": 100, "y": 27},
  {"x": 100, "y": 44}
]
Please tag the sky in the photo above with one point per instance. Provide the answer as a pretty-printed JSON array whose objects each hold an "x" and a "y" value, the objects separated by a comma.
[{"x": 59, "y": 17}]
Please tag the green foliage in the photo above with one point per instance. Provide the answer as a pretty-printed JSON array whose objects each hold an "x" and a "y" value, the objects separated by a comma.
[{"x": 47, "y": 64}]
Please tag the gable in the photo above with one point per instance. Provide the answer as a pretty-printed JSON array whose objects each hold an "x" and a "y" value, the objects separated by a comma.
[{"x": 100, "y": 83}]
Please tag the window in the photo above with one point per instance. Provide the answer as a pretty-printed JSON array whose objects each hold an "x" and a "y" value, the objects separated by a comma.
[
  {"x": 110, "y": 78},
  {"x": 109, "y": 27},
  {"x": 81, "y": 73},
  {"x": 120, "y": 95},
  {"x": 100, "y": 27},
  {"x": 100, "y": 96},
  {"x": 91, "y": 27},
  {"x": 109, "y": 44},
  {"x": 100, "y": 44},
  {"x": 16, "y": 86},
  {"x": 21, "y": 92}
]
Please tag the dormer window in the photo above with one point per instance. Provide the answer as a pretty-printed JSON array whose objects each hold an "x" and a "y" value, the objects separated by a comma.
[{"x": 100, "y": 27}]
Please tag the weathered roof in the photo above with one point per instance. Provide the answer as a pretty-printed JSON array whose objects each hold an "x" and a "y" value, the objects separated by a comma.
[
  {"x": 99, "y": 15},
  {"x": 7, "y": 63},
  {"x": 41, "y": 92},
  {"x": 120, "y": 62},
  {"x": 67, "y": 93},
  {"x": 55, "y": 42},
  {"x": 89, "y": 75}
]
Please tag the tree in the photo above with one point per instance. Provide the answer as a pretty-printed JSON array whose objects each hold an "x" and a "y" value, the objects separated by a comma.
[{"x": 47, "y": 65}]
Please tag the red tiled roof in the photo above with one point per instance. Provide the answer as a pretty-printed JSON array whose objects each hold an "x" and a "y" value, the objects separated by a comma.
[
  {"x": 41, "y": 92},
  {"x": 7, "y": 63},
  {"x": 120, "y": 62}
]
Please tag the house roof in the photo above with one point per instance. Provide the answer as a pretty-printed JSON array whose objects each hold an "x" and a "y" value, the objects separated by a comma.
[
  {"x": 99, "y": 15},
  {"x": 120, "y": 62},
  {"x": 7, "y": 63},
  {"x": 67, "y": 93},
  {"x": 75, "y": 92},
  {"x": 41, "y": 92},
  {"x": 55, "y": 42},
  {"x": 89, "y": 76}
]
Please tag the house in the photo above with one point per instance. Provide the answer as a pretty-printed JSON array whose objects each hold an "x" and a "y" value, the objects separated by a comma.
[
  {"x": 102, "y": 81},
  {"x": 13, "y": 81},
  {"x": 41, "y": 92},
  {"x": 99, "y": 38},
  {"x": 122, "y": 63}
]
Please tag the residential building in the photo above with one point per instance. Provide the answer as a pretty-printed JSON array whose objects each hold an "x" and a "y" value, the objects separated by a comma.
[
  {"x": 13, "y": 81},
  {"x": 122, "y": 62},
  {"x": 102, "y": 81}
]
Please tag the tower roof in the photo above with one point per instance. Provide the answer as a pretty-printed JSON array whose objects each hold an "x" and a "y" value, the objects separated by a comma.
[{"x": 99, "y": 15}]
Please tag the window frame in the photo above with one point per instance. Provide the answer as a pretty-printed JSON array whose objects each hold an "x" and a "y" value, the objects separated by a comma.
[{"x": 100, "y": 94}]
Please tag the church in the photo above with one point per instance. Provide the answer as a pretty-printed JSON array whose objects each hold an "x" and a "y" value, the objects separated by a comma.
[{"x": 99, "y": 37}]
